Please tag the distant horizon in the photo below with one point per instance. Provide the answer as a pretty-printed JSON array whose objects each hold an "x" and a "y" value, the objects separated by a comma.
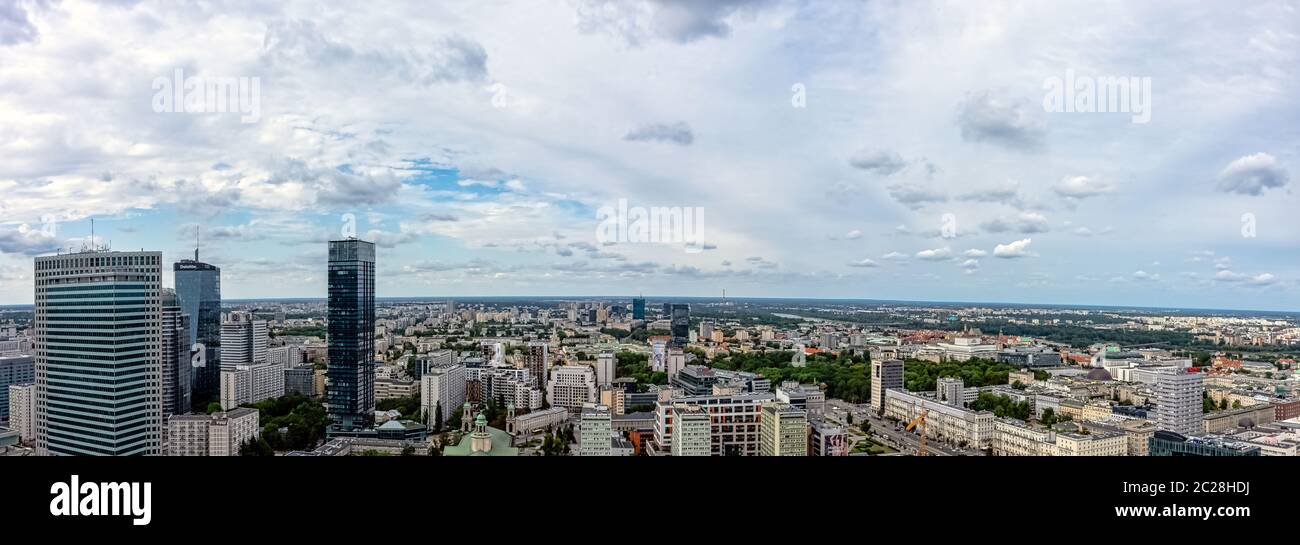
[{"x": 909, "y": 302}]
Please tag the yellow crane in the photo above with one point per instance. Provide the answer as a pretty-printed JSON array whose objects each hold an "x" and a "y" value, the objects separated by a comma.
[{"x": 919, "y": 423}]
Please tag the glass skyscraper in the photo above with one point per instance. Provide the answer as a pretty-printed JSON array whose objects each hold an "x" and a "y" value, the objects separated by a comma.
[
  {"x": 98, "y": 323},
  {"x": 681, "y": 324},
  {"x": 198, "y": 292},
  {"x": 350, "y": 391},
  {"x": 638, "y": 308}
]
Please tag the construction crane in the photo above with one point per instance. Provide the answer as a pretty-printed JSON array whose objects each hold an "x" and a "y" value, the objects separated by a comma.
[{"x": 919, "y": 424}]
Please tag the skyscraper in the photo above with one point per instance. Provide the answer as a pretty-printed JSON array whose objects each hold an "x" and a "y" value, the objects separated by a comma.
[
  {"x": 244, "y": 340},
  {"x": 638, "y": 308},
  {"x": 537, "y": 361},
  {"x": 351, "y": 372},
  {"x": 177, "y": 388},
  {"x": 198, "y": 292},
  {"x": 783, "y": 430},
  {"x": 885, "y": 374},
  {"x": 1178, "y": 402},
  {"x": 681, "y": 324},
  {"x": 109, "y": 301}
]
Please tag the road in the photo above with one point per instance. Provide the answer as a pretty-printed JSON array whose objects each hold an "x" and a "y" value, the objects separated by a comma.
[{"x": 884, "y": 431}]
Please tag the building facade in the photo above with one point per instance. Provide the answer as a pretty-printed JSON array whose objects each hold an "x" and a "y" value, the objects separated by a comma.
[
  {"x": 98, "y": 321},
  {"x": 350, "y": 384}
]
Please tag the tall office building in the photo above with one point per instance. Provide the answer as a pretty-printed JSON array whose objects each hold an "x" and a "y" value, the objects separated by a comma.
[
  {"x": 351, "y": 372},
  {"x": 176, "y": 356},
  {"x": 706, "y": 330},
  {"x": 570, "y": 386},
  {"x": 668, "y": 311},
  {"x": 885, "y": 374},
  {"x": 783, "y": 430},
  {"x": 681, "y": 324},
  {"x": 109, "y": 301},
  {"x": 594, "y": 429},
  {"x": 692, "y": 430},
  {"x": 244, "y": 340},
  {"x": 638, "y": 308},
  {"x": 1178, "y": 402},
  {"x": 217, "y": 434},
  {"x": 14, "y": 370},
  {"x": 537, "y": 362},
  {"x": 605, "y": 369},
  {"x": 22, "y": 410},
  {"x": 198, "y": 292},
  {"x": 442, "y": 387}
]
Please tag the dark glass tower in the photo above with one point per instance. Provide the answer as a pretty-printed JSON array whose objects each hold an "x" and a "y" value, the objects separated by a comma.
[
  {"x": 681, "y": 324},
  {"x": 198, "y": 293},
  {"x": 638, "y": 308},
  {"x": 351, "y": 372}
]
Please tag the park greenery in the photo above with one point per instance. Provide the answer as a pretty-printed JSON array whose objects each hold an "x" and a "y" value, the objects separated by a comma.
[{"x": 290, "y": 422}]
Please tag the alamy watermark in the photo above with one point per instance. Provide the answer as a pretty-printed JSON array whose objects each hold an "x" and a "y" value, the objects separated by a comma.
[
  {"x": 197, "y": 95},
  {"x": 655, "y": 225},
  {"x": 1105, "y": 94}
]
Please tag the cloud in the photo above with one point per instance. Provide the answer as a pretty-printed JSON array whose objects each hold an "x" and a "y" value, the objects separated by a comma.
[
  {"x": 1081, "y": 187},
  {"x": 894, "y": 256},
  {"x": 1012, "y": 124},
  {"x": 937, "y": 254},
  {"x": 1262, "y": 279},
  {"x": 976, "y": 253},
  {"x": 679, "y": 21},
  {"x": 853, "y": 235},
  {"x": 879, "y": 162},
  {"x": 1252, "y": 175},
  {"x": 865, "y": 263},
  {"x": 1026, "y": 223},
  {"x": 916, "y": 197},
  {"x": 1008, "y": 194},
  {"x": 15, "y": 28},
  {"x": 1143, "y": 275},
  {"x": 27, "y": 241},
  {"x": 676, "y": 133},
  {"x": 295, "y": 43},
  {"x": 1011, "y": 250}
]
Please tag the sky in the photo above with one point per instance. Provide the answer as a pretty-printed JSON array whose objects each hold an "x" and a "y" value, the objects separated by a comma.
[{"x": 877, "y": 150}]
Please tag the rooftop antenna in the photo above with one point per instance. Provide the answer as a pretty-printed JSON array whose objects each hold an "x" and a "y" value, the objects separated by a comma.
[{"x": 196, "y": 242}]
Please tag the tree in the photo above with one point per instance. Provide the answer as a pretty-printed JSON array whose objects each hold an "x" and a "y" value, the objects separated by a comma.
[
  {"x": 850, "y": 418},
  {"x": 1236, "y": 404},
  {"x": 1049, "y": 417},
  {"x": 1223, "y": 404},
  {"x": 866, "y": 427},
  {"x": 256, "y": 447},
  {"x": 408, "y": 450},
  {"x": 437, "y": 417}
]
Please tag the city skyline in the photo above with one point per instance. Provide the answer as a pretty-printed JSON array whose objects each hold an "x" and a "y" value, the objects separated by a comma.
[{"x": 826, "y": 159}]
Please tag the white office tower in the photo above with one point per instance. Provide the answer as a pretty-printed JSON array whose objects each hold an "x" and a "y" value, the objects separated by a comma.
[
  {"x": 22, "y": 410},
  {"x": 594, "y": 430},
  {"x": 950, "y": 390},
  {"x": 885, "y": 374},
  {"x": 243, "y": 340},
  {"x": 605, "y": 369},
  {"x": 571, "y": 386},
  {"x": 216, "y": 434},
  {"x": 706, "y": 330},
  {"x": 783, "y": 430},
  {"x": 1178, "y": 402},
  {"x": 250, "y": 383},
  {"x": 442, "y": 387},
  {"x": 111, "y": 301},
  {"x": 675, "y": 362},
  {"x": 658, "y": 353},
  {"x": 692, "y": 431}
]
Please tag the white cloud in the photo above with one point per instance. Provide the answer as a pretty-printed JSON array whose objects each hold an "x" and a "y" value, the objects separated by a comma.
[
  {"x": 1081, "y": 187},
  {"x": 1252, "y": 175},
  {"x": 936, "y": 254},
  {"x": 1019, "y": 248}
]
